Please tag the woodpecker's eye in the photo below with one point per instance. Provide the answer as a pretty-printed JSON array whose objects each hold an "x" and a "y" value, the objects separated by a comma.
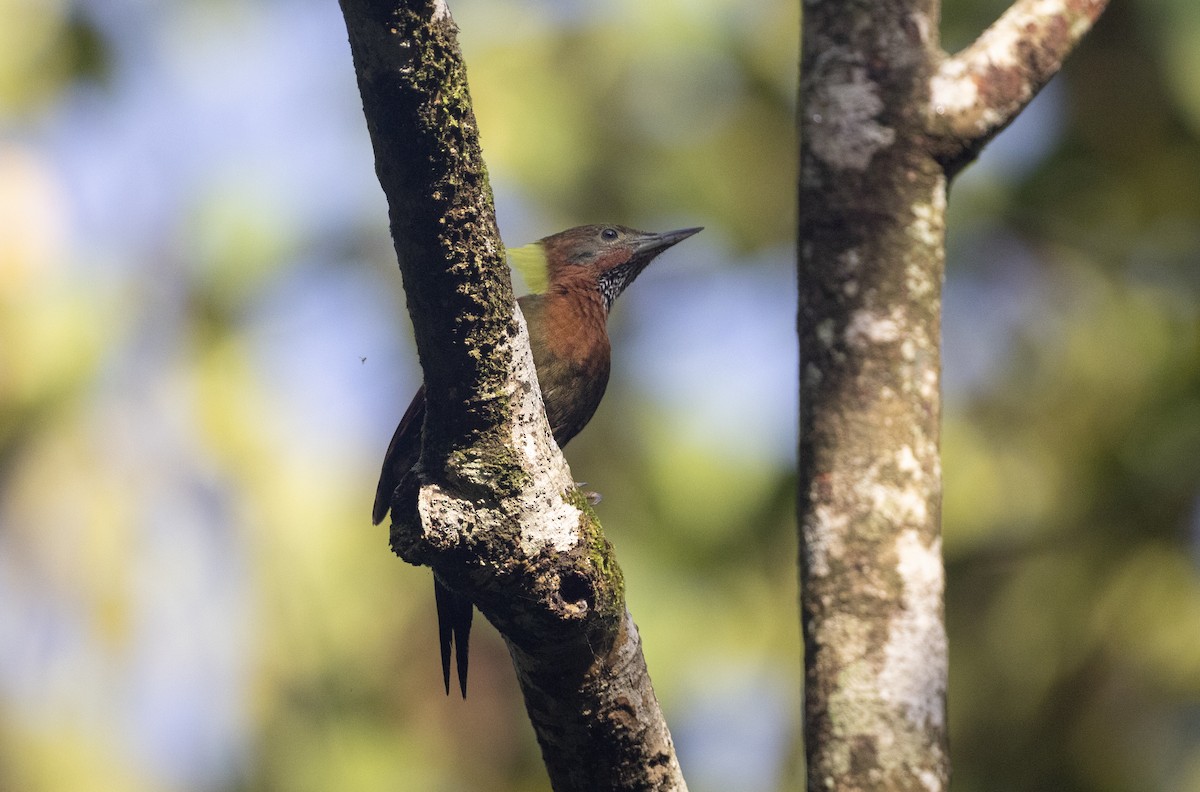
[{"x": 609, "y": 234}]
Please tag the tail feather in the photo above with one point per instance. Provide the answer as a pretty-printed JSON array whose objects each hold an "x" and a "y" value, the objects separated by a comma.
[{"x": 455, "y": 613}]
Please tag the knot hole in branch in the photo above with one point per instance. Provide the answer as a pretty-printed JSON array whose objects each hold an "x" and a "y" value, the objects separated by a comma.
[{"x": 577, "y": 593}]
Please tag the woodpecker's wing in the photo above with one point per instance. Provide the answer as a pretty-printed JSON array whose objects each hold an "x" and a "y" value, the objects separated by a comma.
[{"x": 402, "y": 454}]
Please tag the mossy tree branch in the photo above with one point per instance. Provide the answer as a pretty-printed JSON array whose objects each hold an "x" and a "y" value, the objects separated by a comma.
[
  {"x": 886, "y": 119},
  {"x": 493, "y": 509}
]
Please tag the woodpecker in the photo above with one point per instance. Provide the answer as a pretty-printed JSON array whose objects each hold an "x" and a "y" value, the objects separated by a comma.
[{"x": 576, "y": 276}]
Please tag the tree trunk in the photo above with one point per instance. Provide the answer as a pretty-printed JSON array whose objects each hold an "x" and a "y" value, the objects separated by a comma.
[
  {"x": 886, "y": 119},
  {"x": 493, "y": 508}
]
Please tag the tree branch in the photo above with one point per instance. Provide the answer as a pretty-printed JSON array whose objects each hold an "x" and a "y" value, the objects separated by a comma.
[
  {"x": 493, "y": 508},
  {"x": 979, "y": 91}
]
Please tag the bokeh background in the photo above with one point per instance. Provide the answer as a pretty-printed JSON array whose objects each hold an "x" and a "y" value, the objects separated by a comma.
[{"x": 204, "y": 350}]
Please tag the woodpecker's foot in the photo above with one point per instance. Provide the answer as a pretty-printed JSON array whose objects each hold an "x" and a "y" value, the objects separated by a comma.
[{"x": 590, "y": 496}]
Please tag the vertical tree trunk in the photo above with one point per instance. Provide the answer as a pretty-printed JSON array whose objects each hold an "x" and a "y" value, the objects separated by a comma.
[
  {"x": 870, "y": 273},
  {"x": 886, "y": 118}
]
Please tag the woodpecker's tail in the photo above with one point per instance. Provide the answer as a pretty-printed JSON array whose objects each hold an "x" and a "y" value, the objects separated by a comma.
[{"x": 454, "y": 626}]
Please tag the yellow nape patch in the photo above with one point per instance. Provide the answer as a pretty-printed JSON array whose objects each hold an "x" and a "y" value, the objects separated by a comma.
[{"x": 530, "y": 262}]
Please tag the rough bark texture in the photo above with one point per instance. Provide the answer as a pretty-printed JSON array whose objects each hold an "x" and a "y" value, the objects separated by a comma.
[
  {"x": 494, "y": 510},
  {"x": 871, "y": 260},
  {"x": 886, "y": 118}
]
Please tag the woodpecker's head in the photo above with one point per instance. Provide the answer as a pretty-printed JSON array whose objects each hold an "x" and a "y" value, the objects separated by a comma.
[{"x": 603, "y": 257}]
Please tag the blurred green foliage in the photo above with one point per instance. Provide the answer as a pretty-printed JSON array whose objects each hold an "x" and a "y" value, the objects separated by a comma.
[{"x": 190, "y": 596}]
